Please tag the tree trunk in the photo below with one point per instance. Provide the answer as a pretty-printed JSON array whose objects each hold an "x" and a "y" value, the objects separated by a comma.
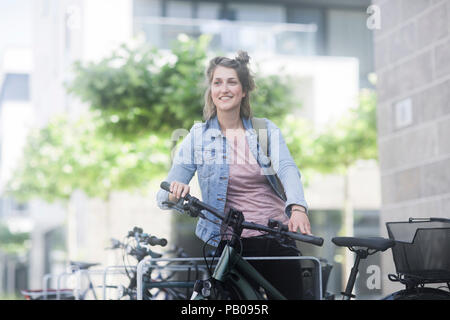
[
  {"x": 72, "y": 231},
  {"x": 347, "y": 226},
  {"x": 108, "y": 223},
  {"x": 110, "y": 255}
]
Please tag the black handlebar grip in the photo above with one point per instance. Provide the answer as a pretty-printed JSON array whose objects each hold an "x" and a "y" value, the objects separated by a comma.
[
  {"x": 137, "y": 230},
  {"x": 154, "y": 241},
  {"x": 306, "y": 238},
  {"x": 165, "y": 186}
]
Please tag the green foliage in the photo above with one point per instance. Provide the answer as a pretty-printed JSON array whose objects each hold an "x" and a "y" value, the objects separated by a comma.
[
  {"x": 12, "y": 242},
  {"x": 183, "y": 84},
  {"x": 333, "y": 150},
  {"x": 353, "y": 138},
  {"x": 65, "y": 156},
  {"x": 141, "y": 90},
  {"x": 299, "y": 136},
  {"x": 273, "y": 98},
  {"x": 137, "y": 97}
]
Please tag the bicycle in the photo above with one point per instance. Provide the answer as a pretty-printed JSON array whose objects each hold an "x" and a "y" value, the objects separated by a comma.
[
  {"x": 160, "y": 279},
  {"x": 421, "y": 252},
  {"x": 138, "y": 246},
  {"x": 233, "y": 275},
  {"x": 76, "y": 268},
  {"x": 140, "y": 249}
]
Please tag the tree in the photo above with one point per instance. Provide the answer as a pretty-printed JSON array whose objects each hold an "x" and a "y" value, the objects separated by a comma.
[
  {"x": 68, "y": 155},
  {"x": 352, "y": 138},
  {"x": 142, "y": 90},
  {"x": 137, "y": 96},
  {"x": 12, "y": 242},
  {"x": 337, "y": 148}
]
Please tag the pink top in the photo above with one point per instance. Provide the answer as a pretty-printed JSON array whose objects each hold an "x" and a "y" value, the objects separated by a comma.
[{"x": 249, "y": 190}]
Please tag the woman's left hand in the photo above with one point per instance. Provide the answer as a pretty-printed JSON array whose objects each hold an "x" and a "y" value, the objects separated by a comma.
[{"x": 299, "y": 220}]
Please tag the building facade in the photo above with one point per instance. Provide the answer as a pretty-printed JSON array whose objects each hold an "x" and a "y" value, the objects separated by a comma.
[{"x": 412, "y": 51}]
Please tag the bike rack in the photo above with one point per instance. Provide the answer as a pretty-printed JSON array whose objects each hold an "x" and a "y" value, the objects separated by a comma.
[
  {"x": 106, "y": 271},
  {"x": 58, "y": 283},
  {"x": 78, "y": 274},
  {"x": 202, "y": 269},
  {"x": 45, "y": 281},
  {"x": 110, "y": 270},
  {"x": 47, "y": 277},
  {"x": 147, "y": 261}
]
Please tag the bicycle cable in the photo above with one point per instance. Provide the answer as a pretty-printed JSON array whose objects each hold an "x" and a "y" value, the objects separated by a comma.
[
  {"x": 222, "y": 236},
  {"x": 208, "y": 268}
]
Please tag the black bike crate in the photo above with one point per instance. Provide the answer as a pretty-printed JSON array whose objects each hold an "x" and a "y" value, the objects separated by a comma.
[{"x": 422, "y": 249}]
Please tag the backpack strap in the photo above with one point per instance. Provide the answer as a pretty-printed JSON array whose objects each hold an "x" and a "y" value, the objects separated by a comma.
[{"x": 260, "y": 125}]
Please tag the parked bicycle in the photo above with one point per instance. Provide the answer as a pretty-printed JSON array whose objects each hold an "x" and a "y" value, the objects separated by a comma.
[
  {"x": 75, "y": 268},
  {"x": 137, "y": 245},
  {"x": 233, "y": 276},
  {"x": 421, "y": 252}
]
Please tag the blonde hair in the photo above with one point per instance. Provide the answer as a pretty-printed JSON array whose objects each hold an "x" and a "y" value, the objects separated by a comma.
[{"x": 240, "y": 65}]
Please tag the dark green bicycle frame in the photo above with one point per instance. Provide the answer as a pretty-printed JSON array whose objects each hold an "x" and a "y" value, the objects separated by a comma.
[{"x": 237, "y": 272}]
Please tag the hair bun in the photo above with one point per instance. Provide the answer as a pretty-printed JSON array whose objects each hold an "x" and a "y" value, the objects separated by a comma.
[{"x": 243, "y": 57}]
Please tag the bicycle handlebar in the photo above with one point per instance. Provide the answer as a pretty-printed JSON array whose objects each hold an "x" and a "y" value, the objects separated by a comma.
[
  {"x": 154, "y": 241},
  {"x": 138, "y": 233},
  {"x": 318, "y": 241},
  {"x": 294, "y": 235}
]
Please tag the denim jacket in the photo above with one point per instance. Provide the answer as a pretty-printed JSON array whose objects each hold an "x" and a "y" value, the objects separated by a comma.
[{"x": 204, "y": 150}]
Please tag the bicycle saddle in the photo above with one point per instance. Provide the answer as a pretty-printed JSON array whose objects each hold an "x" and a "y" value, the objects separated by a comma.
[
  {"x": 375, "y": 243},
  {"x": 82, "y": 265}
]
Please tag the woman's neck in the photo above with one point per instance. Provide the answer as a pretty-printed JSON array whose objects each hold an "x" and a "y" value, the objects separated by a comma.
[{"x": 230, "y": 121}]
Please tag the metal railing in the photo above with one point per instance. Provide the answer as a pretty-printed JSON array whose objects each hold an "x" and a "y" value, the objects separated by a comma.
[{"x": 229, "y": 36}]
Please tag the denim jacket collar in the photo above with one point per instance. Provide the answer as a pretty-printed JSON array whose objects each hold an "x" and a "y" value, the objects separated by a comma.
[{"x": 213, "y": 124}]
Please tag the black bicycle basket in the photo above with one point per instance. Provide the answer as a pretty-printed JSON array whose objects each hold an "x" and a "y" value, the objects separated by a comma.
[{"x": 422, "y": 249}]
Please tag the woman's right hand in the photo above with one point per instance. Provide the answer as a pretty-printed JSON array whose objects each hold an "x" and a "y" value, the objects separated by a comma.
[{"x": 178, "y": 190}]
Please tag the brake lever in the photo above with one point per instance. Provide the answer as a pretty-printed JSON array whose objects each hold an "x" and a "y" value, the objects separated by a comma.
[
  {"x": 186, "y": 208},
  {"x": 281, "y": 239},
  {"x": 291, "y": 247},
  {"x": 175, "y": 206},
  {"x": 170, "y": 203}
]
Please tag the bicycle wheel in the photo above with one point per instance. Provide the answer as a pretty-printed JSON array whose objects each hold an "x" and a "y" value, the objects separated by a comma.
[{"x": 420, "y": 294}]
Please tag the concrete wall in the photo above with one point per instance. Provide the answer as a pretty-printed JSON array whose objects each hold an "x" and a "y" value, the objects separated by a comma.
[{"x": 412, "y": 51}]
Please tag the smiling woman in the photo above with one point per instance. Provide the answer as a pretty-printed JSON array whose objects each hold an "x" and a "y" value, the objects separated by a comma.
[
  {"x": 226, "y": 153},
  {"x": 232, "y": 79},
  {"x": 226, "y": 90}
]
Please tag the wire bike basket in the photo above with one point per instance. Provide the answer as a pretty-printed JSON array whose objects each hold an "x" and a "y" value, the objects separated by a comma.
[{"x": 422, "y": 250}]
